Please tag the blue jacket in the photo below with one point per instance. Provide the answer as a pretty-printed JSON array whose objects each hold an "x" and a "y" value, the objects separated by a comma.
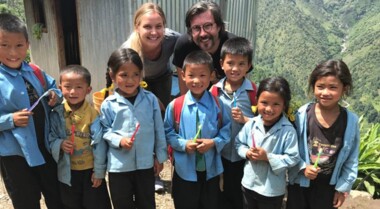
[
  {"x": 14, "y": 97},
  {"x": 280, "y": 143},
  {"x": 58, "y": 134},
  {"x": 208, "y": 115},
  {"x": 244, "y": 103},
  {"x": 346, "y": 167},
  {"x": 119, "y": 118}
]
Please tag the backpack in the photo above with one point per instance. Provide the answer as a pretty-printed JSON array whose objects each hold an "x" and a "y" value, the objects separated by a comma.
[
  {"x": 251, "y": 93},
  {"x": 177, "y": 110},
  {"x": 38, "y": 72}
]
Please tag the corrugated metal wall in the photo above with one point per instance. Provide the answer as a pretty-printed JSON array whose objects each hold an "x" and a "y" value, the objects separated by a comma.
[{"x": 105, "y": 24}]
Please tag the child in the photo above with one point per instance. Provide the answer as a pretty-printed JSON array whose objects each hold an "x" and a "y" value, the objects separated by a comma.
[
  {"x": 199, "y": 137},
  {"x": 269, "y": 143},
  {"x": 77, "y": 145},
  {"x": 26, "y": 165},
  {"x": 134, "y": 131},
  {"x": 234, "y": 91},
  {"x": 328, "y": 142}
]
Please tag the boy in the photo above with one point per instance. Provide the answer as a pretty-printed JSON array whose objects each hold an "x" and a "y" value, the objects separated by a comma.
[
  {"x": 235, "y": 91},
  {"x": 199, "y": 137},
  {"x": 77, "y": 145},
  {"x": 26, "y": 165}
]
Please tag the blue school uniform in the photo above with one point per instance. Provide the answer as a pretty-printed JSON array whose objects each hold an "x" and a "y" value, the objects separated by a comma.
[
  {"x": 119, "y": 118},
  {"x": 280, "y": 143},
  {"x": 208, "y": 110},
  {"x": 243, "y": 102},
  {"x": 22, "y": 141}
]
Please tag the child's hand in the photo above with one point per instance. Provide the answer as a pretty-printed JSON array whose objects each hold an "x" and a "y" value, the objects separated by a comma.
[
  {"x": 238, "y": 116},
  {"x": 126, "y": 143},
  {"x": 95, "y": 181},
  {"x": 157, "y": 167},
  {"x": 21, "y": 118},
  {"x": 311, "y": 172},
  {"x": 67, "y": 146},
  {"x": 204, "y": 145},
  {"x": 52, "y": 98},
  {"x": 191, "y": 146},
  {"x": 257, "y": 153},
  {"x": 339, "y": 198}
]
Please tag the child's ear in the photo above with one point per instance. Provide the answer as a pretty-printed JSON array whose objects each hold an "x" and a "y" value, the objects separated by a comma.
[
  {"x": 60, "y": 87},
  {"x": 221, "y": 63},
  {"x": 183, "y": 75},
  {"x": 89, "y": 89},
  {"x": 213, "y": 76},
  {"x": 249, "y": 66},
  {"x": 112, "y": 76}
]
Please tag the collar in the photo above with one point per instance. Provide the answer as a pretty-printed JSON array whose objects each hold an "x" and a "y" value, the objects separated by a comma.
[
  {"x": 204, "y": 100},
  {"x": 75, "y": 116},
  {"x": 246, "y": 85},
  {"x": 14, "y": 72},
  {"x": 281, "y": 123}
]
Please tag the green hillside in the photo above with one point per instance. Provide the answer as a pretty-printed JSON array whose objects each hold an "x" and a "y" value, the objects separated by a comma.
[{"x": 293, "y": 36}]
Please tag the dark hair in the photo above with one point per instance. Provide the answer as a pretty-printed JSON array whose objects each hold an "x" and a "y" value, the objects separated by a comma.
[
  {"x": 78, "y": 69},
  {"x": 201, "y": 7},
  {"x": 198, "y": 57},
  {"x": 121, "y": 56},
  {"x": 277, "y": 85},
  {"x": 12, "y": 24},
  {"x": 335, "y": 68},
  {"x": 237, "y": 46}
]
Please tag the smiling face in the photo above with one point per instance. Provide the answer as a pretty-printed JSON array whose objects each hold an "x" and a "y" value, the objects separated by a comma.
[
  {"x": 235, "y": 67},
  {"x": 197, "y": 78},
  {"x": 127, "y": 78},
  {"x": 270, "y": 107},
  {"x": 328, "y": 90},
  {"x": 74, "y": 89},
  {"x": 151, "y": 30},
  {"x": 13, "y": 49},
  {"x": 206, "y": 40}
]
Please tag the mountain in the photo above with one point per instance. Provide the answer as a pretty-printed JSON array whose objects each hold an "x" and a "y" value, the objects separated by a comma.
[{"x": 293, "y": 36}]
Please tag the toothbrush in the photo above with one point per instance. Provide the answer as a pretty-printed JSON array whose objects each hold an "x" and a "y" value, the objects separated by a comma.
[
  {"x": 38, "y": 100},
  {"x": 134, "y": 133},
  {"x": 318, "y": 156},
  {"x": 198, "y": 132}
]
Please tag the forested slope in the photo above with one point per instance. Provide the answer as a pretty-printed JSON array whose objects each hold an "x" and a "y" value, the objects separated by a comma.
[{"x": 293, "y": 36}]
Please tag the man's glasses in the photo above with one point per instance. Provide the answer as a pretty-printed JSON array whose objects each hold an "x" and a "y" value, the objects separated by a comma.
[{"x": 196, "y": 29}]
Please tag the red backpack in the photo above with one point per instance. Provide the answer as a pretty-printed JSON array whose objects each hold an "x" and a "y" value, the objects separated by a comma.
[
  {"x": 177, "y": 110},
  {"x": 38, "y": 72},
  {"x": 251, "y": 93}
]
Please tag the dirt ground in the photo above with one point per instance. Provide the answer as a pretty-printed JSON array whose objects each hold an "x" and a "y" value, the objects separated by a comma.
[{"x": 164, "y": 200}]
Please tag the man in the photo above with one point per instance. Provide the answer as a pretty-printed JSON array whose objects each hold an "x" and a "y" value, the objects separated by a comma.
[{"x": 205, "y": 31}]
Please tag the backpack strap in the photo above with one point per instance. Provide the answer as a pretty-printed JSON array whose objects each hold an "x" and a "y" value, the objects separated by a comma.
[
  {"x": 177, "y": 108},
  {"x": 252, "y": 94},
  {"x": 214, "y": 90},
  {"x": 38, "y": 72}
]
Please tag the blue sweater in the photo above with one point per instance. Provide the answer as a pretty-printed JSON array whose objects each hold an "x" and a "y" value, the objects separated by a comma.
[
  {"x": 14, "y": 97},
  {"x": 119, "y": 118},
  {"x": 280, "y": 143},
  {"x": 244, "y": 104},
  {"x": 208, "y": 115},
  {"x": 58, "y": 134},
  {"x": 346, "y": 167}
]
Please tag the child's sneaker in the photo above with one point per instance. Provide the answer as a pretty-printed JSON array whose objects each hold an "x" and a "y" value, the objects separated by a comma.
[{"x": 158, "y": 185}]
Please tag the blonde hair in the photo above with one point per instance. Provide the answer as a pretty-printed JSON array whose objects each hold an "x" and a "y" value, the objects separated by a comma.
[{"x": 145, "y": 8}]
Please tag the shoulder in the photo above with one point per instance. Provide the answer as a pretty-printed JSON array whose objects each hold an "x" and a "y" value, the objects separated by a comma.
[
  {"x": 227, "y": 35},
  {"x": 184, "y": 40},
  {"x": 172, "y": 34},
  {"x": 351, "y": 116}
]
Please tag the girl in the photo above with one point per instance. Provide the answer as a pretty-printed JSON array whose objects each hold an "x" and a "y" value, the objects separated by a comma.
[
  {"x": 269, "y": 143},
  {"x": 135, "y": 133},
  {"x": 155, "y": 45},
  {"x": 328, "y": 142}
]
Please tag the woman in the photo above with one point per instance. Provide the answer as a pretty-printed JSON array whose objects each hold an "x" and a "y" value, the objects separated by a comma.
[{"x": 155, "y": 45}]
